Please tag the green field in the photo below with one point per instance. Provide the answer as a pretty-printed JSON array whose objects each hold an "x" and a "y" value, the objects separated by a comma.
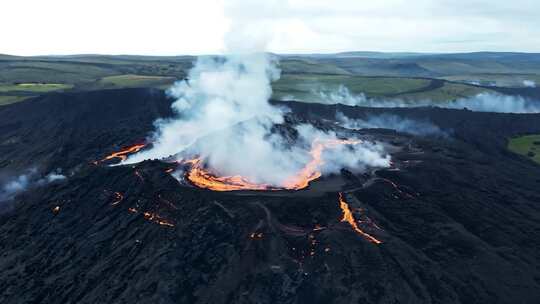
[
  {"x": 306, "y": 86},
  {"x": 306, "y": 66},
  {"x": 34, "y": 87},
  {"x": 449, "y": 91},
  {"x": 528, "y": 146},
  {"x": 8, "y": 99},
  {"x": 135, "y": 81},
  {"x": 11, "y": 93},
  {"x": 408, "y": 77}
]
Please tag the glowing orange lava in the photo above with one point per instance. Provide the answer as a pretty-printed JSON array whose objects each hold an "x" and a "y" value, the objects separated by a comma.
[
  {"x": 202, "y": 178},
  {"x": 311, "y": 171},
  {"x": 118, "y": 197},
  {"x": 122, "y": 155},
  {"x": 157, "y": 219},
  {"x": 349, "y": 218}
]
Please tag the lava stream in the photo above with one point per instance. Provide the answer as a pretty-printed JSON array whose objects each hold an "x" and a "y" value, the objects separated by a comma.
[
  {"x": 122, "y": 155},
  {"x": 202, "y": 178},
  {"x": 349, "y": 218}
]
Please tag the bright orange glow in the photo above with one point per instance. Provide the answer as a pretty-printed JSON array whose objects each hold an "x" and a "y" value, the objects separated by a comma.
[
  {"x": 349, "y": 218},
  {"x": 202, "y": 178},
  {"x": 153, "y": 217},
  {"x": 311, "y": 171},
  {"x": 118, "y": 197},
  {"x": 122, "y": 155},
  {"x": 157, "y": 219}
]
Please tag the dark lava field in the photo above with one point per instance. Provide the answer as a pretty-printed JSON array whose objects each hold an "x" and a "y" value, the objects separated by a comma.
[{"x": 455, "y": 219}]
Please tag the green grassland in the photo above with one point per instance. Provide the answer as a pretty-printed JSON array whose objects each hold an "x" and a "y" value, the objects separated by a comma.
[
  {"x": 34, "y": 87},
  {"x": 528, "y": 146},
  {"x": 449, "y": 91},
  {"x": 135, "y": 81},
  {"x": 306, "y": 84},
  {"x": 8, "y": 99},
  {"x": 381, "y": 75},
  {"x": 503, "y": 80},
  {"x": 306, "y": 66},
  {"x": 306, "y": 87},
  {"x": 11, "y": 93},
  {"x": 25, "y": 77}
]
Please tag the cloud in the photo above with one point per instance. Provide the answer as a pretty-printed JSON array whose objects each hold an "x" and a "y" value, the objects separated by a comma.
[{"x": 166, "y": 27}]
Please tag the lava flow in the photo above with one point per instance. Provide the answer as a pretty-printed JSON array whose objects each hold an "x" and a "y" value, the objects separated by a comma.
[
  {"x": 349, "y": 218},
  {"x": 311, "y": 171},
  {"x": 122, "y": 155},
  {"x": 202, "y": 178}
]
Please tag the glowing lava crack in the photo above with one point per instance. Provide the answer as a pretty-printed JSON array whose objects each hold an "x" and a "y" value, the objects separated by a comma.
[{"x": 202, "y": 178}]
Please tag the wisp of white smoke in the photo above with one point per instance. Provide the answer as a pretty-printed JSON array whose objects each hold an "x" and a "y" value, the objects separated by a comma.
[
  {"x": 21, "y": 183},
  {"x": 393, "y": 122},
  {"x": 529, "y": 83},
  {"x": 483, "y": 102},
  {"x": 486, "y": 102}
]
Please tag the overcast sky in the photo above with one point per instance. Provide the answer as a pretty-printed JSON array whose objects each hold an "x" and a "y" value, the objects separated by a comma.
[{"x": 175, "y": 27}]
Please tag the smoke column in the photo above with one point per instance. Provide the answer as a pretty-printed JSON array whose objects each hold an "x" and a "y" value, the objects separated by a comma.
[{"x": 223, "y": 114}]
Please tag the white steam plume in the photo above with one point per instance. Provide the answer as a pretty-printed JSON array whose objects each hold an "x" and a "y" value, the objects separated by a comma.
[
  {"x": 483, "y": 102},
  {"x": 529, "y": 83},
  {"x": 486, "y": 102},
  {"x": 21, "y": 183},
  {"x": 223, "y": 114},
  {"x": 393, "y": 122}
]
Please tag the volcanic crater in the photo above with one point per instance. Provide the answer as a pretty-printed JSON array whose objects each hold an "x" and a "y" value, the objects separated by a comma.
[{"x": 454, "y": 219}]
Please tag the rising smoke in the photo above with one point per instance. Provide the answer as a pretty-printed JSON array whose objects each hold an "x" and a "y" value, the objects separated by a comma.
[
  {"x": 483, "y": 102},
  {"x": 529, "y": 83},
  {"x": 393, "y": 122},
  {"x": 224, "y": 117},
  {"x": 18, "y": 184}
]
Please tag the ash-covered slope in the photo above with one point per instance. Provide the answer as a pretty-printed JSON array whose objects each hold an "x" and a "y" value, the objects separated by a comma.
[
  {"x": 68, "y": 129},
  {"x": 458, "y": 218}
]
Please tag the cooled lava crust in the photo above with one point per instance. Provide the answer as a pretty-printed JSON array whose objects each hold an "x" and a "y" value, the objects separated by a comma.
[{"x": 457, "y": 217}]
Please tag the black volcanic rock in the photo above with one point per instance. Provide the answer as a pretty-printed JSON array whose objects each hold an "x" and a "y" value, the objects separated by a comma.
[
  {"x": 63, "y": 130},
  {"x": 459, "y": 217}
]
